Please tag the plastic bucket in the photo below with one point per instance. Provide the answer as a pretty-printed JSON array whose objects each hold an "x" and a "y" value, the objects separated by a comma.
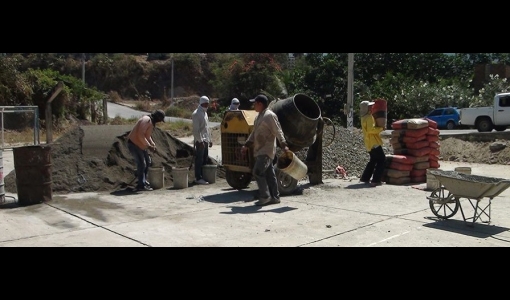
[
  {"x": 32, "y": 165},
  {"x": 432, "y": 182},
  {"x": 209, "y": 173},
  {"x": 298, "y": 117},
  {"x": 380, "y": 112},
  {"x": 156, "y": 177},
  {"x": 291, "y": 165},
  {"x": 465, "y": 170},
  {"x": 180, "y": 177}
]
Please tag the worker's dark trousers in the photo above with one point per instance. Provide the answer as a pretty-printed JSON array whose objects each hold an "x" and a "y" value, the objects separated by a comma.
[
  {"x": 264, "y": 173},
  {"x": 375, "y": 166},
  {"x": 201, "y": 156}
]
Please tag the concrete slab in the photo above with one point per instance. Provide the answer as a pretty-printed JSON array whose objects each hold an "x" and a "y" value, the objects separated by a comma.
[{"x": 338, "y": 213}]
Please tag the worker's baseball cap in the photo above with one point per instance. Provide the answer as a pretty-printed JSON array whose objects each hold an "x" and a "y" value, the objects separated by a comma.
[
  {"x": 235, "y": 101},
  {"x": 366, "y": 104},
  {"x": 159, "y": 115},
  {"x": 260, "y": 98}
]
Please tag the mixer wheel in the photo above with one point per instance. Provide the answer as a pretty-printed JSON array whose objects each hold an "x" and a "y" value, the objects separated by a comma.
[
  {"x": 238, "y": 180},
  {"x": 286, "y": 184}
]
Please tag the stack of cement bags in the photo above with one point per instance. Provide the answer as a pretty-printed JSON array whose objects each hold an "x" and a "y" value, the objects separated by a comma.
[
  {"x": 398, "y": 169},
  {"x": 415, "y": 144}
]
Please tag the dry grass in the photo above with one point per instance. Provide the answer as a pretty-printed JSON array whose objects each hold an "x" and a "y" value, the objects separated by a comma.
[
  {"x": 176, "y": 129},
  {"x": 15, "y": 137},
  {"x": 12, "y": 138}
]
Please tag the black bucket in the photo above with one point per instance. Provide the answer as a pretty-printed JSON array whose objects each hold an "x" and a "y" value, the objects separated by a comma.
[
  {"x": 299, "y": 117},
  {"x": 32, "y": 165}
]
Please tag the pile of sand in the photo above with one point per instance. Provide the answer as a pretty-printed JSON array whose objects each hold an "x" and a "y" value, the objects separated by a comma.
[{"x": 74, "y": 172}]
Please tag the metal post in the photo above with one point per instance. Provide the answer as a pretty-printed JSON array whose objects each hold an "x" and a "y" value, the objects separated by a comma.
[
  {"x": 3, "y": 127},
  {"x": 83, "y": 67},
  {"x": 105, "y": 111},
  {"x": 172, "y": 82},
  {"x": 350, "y": 101},
  {"x": 36, "y": 127}
]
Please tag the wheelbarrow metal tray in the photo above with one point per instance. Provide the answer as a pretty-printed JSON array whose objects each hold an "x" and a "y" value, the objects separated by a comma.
[{"x": 469, "y": 185}]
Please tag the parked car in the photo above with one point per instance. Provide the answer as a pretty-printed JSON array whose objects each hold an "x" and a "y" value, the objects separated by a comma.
[{"x": 445, "y": 117}]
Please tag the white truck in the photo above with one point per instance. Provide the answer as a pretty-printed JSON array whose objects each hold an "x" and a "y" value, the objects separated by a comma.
[{"x": 485, "y": 119}]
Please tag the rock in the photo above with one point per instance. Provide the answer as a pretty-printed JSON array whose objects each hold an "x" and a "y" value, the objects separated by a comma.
[{"x": 497, "y": 146}]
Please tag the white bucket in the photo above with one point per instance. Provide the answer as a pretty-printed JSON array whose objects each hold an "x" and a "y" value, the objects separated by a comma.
[
  {"x": 209, "y": 173},
  {"x": 156, "y": 177},
  {"x": 291, "y": 165},
  {"x": 180, "y": 177},
  {"x": 432, "y": 182},
  {"x": 465, "y": 170}
]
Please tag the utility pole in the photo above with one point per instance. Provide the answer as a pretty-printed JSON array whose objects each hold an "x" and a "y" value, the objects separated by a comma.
[
  {"x": 350, "y": 101},
  {"x": 83, "y": 67},
  {"x": 172, "y": 82}
]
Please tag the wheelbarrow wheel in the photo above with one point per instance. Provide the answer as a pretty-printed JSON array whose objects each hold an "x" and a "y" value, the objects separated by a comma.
[
  {"x": 443, "y": 204},
  {"x": 238, "y": 180}
]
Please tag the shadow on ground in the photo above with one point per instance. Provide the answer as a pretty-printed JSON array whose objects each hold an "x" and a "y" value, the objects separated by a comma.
[{"x": 478, "y": 230}]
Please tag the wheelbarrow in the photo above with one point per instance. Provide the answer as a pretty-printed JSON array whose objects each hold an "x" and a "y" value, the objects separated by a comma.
[{"x": 445, "y": 200}]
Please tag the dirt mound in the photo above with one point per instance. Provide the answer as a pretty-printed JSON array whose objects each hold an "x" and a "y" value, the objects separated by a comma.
[
  {"x": 72, "y": 171},
  {"x": 453, "y": 149}
]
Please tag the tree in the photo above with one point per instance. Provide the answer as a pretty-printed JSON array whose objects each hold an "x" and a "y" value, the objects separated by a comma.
[
  {"x": 14, "y": 88},
  {"x": 247, "y": 74}
]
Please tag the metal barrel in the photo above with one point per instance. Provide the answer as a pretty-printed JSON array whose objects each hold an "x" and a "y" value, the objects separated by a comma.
[
  {"x": 32, "y": 165},
  {"x": 299, "y": 117}
]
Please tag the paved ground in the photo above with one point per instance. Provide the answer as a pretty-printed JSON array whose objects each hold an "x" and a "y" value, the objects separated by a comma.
[{"x": 339, "y": 213}]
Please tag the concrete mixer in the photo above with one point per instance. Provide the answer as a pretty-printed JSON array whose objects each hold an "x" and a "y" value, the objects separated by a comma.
[{"x": 302, "y": 125}]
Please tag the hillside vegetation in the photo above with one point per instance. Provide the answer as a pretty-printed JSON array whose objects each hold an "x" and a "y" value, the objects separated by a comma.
[{"x": 412, "y": 83}]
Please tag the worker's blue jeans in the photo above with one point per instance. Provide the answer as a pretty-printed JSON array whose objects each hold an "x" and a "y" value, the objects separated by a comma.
[{"x": 142, "y": 161}]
